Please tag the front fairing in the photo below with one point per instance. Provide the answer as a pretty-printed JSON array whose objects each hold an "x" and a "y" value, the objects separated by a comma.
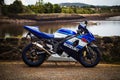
[
  {"x": 88, "y": 36},
  {"x": 74, "y": 51}
]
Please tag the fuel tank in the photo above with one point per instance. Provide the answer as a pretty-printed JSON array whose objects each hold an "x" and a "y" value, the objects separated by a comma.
[{"x": 62, "y": 33}]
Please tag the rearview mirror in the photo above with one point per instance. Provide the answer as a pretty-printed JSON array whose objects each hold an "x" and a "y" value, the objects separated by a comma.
[{"x": 86, "y": 22}]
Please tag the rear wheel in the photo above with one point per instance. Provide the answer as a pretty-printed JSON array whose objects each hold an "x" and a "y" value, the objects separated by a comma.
[
  {"x": 32, "y": 56},
  {"x": 90, "y": 56}
]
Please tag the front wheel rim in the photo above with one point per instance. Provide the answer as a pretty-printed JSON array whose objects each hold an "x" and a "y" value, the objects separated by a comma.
[{"x": 89, "y": 58}]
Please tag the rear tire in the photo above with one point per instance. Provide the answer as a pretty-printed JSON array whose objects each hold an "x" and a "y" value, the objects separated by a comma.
[
  {"x": 30, "y": 56},
  {"x": 90, "y": 59}
]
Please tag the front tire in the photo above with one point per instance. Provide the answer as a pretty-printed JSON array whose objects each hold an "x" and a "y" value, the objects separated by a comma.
[
  {"x": 30, "y": 56},
  {"x": 90, "y": 56}
]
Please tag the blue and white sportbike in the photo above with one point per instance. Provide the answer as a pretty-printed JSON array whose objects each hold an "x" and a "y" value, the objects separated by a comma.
[{"x": 78, "y": 45}]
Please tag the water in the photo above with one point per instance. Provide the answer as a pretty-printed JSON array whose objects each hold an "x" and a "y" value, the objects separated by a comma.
[
  {"x": 105, "y": 28},
  {"x": 101, "y": 28}
]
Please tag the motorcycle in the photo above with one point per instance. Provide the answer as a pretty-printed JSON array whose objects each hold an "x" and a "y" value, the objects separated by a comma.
[{"x": 78, "y": 45}]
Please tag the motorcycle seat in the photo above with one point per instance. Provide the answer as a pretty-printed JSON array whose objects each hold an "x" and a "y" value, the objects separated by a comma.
[
  {"x": 58, "y": 39},
  {"x": 35, "y": 30}
]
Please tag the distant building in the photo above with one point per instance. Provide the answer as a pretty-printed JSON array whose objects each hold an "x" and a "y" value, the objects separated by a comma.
[{"x": 96, "y": 9}]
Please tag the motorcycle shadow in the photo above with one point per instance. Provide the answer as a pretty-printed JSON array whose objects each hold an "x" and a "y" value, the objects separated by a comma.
[
  {"x": 57, "y": 64},
  {"x": 60, "y": 64}
]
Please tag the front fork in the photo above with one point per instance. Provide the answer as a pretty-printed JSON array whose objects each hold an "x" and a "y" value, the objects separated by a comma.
[{"x": 88, "y": 50}]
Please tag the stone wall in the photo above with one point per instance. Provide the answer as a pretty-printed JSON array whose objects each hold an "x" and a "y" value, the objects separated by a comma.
[
  {"x": 11, "y": 48},
  {"x": 110, "y": 48}
]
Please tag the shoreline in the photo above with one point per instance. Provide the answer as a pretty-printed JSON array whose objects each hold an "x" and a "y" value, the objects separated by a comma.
[{"x": 38, "y": 18}]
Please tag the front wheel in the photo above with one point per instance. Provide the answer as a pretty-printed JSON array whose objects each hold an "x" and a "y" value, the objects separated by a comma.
[
  {"x": 32, "y": 56},
  {"x": 90, "y": 56}
]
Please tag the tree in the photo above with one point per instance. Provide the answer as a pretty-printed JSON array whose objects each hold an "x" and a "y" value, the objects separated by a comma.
[
  {"x": 40, "y": 2},
  {"x": 48, "y": 7},
  {"x": 1, "y": 6},
  {"x": 5, "y": 10},
  {"x": 74, "y": 9},
  {"x": 67, "y": 10},
  {"x": 56, "y": 8},
  {"x": 37, "y": 8},
  {"x": 40, "y": 7},
  {"x": 2, "y": 2},
  {"x": 16, "y": 7}
]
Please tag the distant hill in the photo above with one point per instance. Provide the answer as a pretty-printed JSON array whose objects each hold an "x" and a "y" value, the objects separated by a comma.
[{"x": 74, "y": 4}]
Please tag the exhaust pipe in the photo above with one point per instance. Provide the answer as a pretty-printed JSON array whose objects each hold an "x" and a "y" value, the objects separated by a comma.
[{"x": 41, "y": 47}]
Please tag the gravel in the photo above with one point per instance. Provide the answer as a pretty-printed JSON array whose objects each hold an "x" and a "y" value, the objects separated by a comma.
[{"x": 17, "y": 70}]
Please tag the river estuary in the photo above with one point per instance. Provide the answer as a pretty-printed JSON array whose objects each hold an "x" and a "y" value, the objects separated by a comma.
[{"x": 100, "y": 28}]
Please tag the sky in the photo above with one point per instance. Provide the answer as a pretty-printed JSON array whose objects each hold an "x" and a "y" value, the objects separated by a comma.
[{"x": 91, "y": 2}]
